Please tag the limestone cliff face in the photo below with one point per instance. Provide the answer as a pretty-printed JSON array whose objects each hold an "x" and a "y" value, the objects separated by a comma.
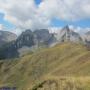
[
  {"x": 27, "y": 39},
  {"x": 67, "y": 34},
  {"x": 44, "y": 37},
  {"x": 6, "y": 37},
  {"x": 38, "y": 37},
  {"x": 87, "y": 36}
]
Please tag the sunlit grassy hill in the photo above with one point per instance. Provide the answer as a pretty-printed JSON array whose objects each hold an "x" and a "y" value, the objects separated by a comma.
[{"x": 63, "y": 60}]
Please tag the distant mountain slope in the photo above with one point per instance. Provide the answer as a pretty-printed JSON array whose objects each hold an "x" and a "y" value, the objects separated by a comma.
[
  {"x": 66, "y": 59},
  {"x": 6, "y": 37},
  {"x": 25, "y": 39},
  {"x": 67, "y": 34},
  {"x": 38, "y": 37},
  {"x": 87, "y": 34},
  {"x": 43, "y": 36},
  {"x": 28, "y": 39}
]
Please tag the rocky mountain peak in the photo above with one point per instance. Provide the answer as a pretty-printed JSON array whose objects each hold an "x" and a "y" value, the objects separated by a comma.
[
  {"x": 27, "y": 32},
  {"x": 66, "y": 28},
  {"x": 6, "y": 37},
  {"x": 68, "y": 34},
  {"x": 87, "y": 37},
  {"x": 25, "y": 39}
]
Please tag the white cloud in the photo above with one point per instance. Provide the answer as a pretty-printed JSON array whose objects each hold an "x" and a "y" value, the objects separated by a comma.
[
  {"x": 25, "y": 13},
  {"x": 66, "y": 9},
  {"x": 21, "y": 13},
  {"x": 17, "y": 31},
  {"x": 54, "y": 29},
  {"x": 1, "y": 27}
]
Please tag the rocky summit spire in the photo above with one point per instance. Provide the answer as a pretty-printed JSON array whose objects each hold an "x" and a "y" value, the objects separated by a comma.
[
  {"x": 66, "y": 28},
  {"x": 68, "y": 34},
  {"x": 65, "y": 33}
]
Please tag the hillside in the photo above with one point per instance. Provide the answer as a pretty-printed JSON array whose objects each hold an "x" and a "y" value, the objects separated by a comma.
[{"x": 62, "y": 62}]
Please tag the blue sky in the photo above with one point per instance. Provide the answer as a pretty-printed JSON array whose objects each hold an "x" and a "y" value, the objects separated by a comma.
[
  {"x": 38, "y": 1},
  {"x": 61, "y": 23},
  {"x": 5, "y": 23},
  {"x": 54, "y": 23},
  {"x": 84, "y": 22}
]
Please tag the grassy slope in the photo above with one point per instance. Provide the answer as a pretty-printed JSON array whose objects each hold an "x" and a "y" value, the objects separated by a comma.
[{"x": 66, "y": 59}]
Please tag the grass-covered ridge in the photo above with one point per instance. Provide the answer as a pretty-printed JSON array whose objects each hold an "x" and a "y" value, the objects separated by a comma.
[{"x": 66, "y": 59}]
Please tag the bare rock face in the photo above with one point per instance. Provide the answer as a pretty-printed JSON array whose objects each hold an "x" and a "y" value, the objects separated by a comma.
[
  {"x": 38, "y": 37},
  {"x": 6, "y": 37},
  {"x": 66, "y": 34},
  {"x": 87, "y": 36},
  {"x": 87, "y": 40},
  {"x": 26, "y": 42},
  {"x": 44, "y": 37},
  {"x": 25, "y": 39}
]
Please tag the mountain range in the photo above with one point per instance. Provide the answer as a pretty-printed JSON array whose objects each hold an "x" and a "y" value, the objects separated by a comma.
[
  {"x": 67, "y": 34},
  {"x": 29, "y": 41}
]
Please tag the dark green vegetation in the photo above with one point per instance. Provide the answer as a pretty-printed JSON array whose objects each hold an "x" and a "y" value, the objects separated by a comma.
[{"x": 67, "y": 63}]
